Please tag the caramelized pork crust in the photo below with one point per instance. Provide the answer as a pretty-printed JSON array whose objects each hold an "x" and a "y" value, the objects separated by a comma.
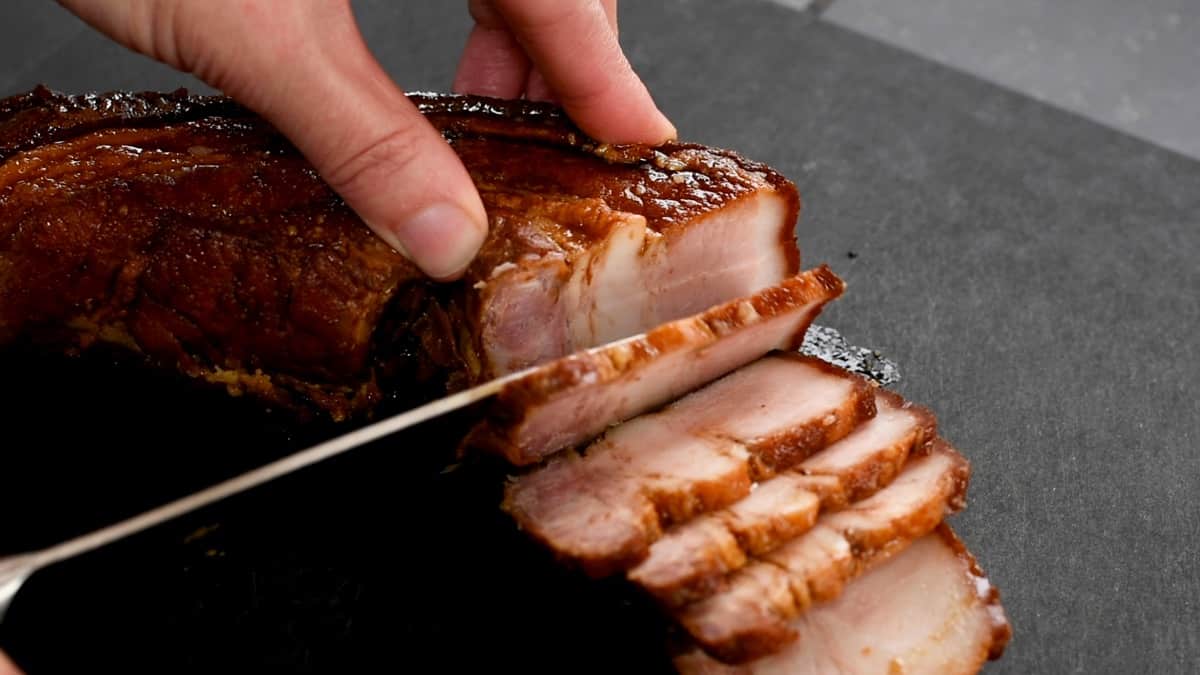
[{"x": 186, "y": 230}]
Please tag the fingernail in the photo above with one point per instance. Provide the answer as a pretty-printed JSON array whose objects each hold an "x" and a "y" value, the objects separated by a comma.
[{"x": 442, "y": 240}]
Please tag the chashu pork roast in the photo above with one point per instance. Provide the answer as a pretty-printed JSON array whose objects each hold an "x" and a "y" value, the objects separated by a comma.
[
  {"x": 787, "y": 514},
  {"x": 186, "y": 230}
]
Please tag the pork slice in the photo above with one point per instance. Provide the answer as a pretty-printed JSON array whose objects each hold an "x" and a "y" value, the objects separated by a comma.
[
  {"x": 583, "y": 515},
  {"x": 777, "y": 510},
  {"x": 783, "y": 408},
  {"x": 828, "y": 488},
  {"x": 690, "y": 458},
  {"x": 870, "y": 458},
  {"x": 819, "y": 562},
  {"x": 575, "y": 398},
  {"x": 742, "y": 621},
  {"x": 690, "y": 562},
  {"x": 684, "y": 475},
  {"x": 929, "y": 609},
  {"x": 602, "y": 511},
  {"x": 927, "y": 489}
]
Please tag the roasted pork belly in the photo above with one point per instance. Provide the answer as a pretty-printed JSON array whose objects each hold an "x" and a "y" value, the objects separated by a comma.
[
  {"x": 604, "y": 509},
  {"x": 690, "y": 561},
  {"x": 929, "y": 609},
  {"x": 570, "y": 400},
  {"x": 751, "y": 615},
  {"x": 186, "y": 231}
]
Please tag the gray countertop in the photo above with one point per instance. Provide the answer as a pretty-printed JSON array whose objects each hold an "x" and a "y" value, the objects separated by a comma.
[
  {"x": 1132, "y": 65},
  {"x": 1034, "y": 274}
]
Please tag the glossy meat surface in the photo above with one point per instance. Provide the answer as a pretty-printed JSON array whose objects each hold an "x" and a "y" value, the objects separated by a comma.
[
  {"x": 187, "y": 231},
  {"x": 204, "y": 245}
]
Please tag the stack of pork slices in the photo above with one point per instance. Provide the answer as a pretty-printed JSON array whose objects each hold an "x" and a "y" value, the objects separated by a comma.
[{"x": 788, "y": 515}]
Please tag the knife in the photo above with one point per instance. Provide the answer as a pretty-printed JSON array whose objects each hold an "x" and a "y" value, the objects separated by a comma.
[
  {"x": 822, "y": 342},
  {"x": 16, "y": 569}
]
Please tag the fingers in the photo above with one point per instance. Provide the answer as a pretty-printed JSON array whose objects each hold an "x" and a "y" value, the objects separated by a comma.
[
  {"x": 537, "y": 88},
  {"x": 7, "y": 667},
  {"x": 373, "y": 147},
  {"x": 492, "y": 63},
  {"x": 574, "y": 51},
  {"x": 305, "y": 68}
]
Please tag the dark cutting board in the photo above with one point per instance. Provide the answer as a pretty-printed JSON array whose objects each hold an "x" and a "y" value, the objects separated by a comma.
[{"x": 1035, "y": 275}]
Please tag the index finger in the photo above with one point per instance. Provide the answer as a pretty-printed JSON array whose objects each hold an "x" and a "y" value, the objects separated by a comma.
[{"x": 573, "y": 44}]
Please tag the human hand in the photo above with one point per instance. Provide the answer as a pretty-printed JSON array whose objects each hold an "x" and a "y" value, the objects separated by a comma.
[
  {"x": 566, "y": 52},
  {"x": 305, "y": 68},
  {"x": 7, "y": 667}
]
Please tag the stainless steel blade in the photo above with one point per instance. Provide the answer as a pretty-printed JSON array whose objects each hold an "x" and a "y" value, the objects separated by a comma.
[{"x": 14, "y": 570}]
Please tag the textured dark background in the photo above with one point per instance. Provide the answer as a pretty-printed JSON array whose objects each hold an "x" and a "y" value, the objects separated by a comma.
[{"x": 1034, "y": 274}]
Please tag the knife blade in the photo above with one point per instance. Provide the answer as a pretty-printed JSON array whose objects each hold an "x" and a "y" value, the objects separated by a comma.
[{"x": 16, "y": 569}]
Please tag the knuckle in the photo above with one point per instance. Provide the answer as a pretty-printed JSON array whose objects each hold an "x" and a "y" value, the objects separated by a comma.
[{"x": 393, "y": 152}]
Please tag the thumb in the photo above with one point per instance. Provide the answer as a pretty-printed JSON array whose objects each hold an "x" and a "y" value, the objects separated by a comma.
[{"x": 305, "y": 68}]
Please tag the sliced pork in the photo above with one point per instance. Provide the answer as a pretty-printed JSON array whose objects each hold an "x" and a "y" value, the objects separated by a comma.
[
  {"x": 750, "y": 616},
  {"x": 186, "y": 232},
  {"x": 690, "y": 561},
  {"x": 929, "y": 609},
  {"x": 568, "y": 401},
  {"x": 604, "y": 509},
  {"x": 782, "y": 408},
  {"x": 870, "y": 458}
]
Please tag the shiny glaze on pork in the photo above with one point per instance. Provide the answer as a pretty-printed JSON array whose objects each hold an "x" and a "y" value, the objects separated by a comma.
[{"x": 188, "y": 231}]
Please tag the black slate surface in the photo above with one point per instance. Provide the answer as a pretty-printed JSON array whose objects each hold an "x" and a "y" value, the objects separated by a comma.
[{"x": 1034, "y": 275}]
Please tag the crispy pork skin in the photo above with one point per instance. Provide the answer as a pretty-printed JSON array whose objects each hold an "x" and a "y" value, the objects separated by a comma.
[
  {"x": 186, "y": 231},
  {"x": 751, "y": 615},
  {"x": 691, "y": 561},
  {"x": 929, "y": 609},
  {"x": 570, "y": 400},
  {"x": 604, "y": 509}
]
